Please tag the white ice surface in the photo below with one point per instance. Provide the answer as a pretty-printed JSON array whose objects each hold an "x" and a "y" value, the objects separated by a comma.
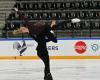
[{"x": 60, "y": 69}]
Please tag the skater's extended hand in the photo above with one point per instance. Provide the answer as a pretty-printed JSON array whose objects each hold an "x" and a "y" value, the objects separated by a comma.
[{"x": 53, "y": 23}]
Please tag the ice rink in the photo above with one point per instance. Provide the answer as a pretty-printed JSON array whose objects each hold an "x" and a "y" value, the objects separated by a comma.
[{"x": 60, "y": 69}]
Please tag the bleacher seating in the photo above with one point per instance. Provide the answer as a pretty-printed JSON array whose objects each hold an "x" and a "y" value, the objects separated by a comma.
[{"x": 87, "y": 10}]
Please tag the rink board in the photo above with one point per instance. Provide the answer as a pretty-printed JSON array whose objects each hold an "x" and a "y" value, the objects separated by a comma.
[{"x": 77, "y": 48}]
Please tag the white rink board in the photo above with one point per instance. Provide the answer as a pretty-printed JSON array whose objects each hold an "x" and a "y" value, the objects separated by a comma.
[{"x": 62, "y": 48}]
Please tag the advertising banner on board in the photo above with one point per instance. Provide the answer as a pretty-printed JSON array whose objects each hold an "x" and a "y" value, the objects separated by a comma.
[{"x": 62, "y": 48}]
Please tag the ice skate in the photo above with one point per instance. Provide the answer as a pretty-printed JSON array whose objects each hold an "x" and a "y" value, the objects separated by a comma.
[{"x": 48, "y": 77}]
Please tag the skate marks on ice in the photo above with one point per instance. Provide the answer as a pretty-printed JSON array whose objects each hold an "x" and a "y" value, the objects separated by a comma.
[
  {"x": 60, "y": 69},
  {"x": 76, "y": 70},
  {"x": 21, "y": 70}
]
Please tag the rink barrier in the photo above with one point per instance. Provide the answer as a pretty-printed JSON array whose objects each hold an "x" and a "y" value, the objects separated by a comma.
[
  {"x": 51, "y": 57},
  {"x": 71, "y": 55}
]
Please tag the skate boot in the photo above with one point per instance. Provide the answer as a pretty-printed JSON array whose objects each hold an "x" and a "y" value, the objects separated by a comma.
[{"x": 48, "y": 77}]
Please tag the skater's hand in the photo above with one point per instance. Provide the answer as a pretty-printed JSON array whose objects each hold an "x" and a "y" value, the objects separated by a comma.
[
  {"x": 53, "y": 23},
  {"x": 15, "y": 9}
]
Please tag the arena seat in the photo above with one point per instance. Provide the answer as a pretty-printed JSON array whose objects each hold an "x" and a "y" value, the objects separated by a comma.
[{"x": 86, "y": 10}]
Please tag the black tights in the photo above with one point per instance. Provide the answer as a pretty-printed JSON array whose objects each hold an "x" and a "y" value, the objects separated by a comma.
[{"x": 43, "y": 54}]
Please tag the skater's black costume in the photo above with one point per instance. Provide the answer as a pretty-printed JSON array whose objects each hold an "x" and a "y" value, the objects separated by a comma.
[{"x": 40, "y": 32}]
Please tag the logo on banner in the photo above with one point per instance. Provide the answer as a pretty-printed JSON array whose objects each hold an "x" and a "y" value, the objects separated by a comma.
[
  {"x": 52, "y": 48},
  {"x": 21, "y": 46},
  {"x": 95, "y": 47},
  {"x": 80, "y": 47}
]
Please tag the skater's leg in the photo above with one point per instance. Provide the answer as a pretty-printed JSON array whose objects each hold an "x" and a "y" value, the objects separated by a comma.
[
  {"x": 45, "y": 58},
  {"x": 43, "y": 54}
]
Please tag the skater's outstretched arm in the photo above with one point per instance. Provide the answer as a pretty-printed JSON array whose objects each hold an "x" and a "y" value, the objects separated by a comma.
[{"x": 21, "y": 15}]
